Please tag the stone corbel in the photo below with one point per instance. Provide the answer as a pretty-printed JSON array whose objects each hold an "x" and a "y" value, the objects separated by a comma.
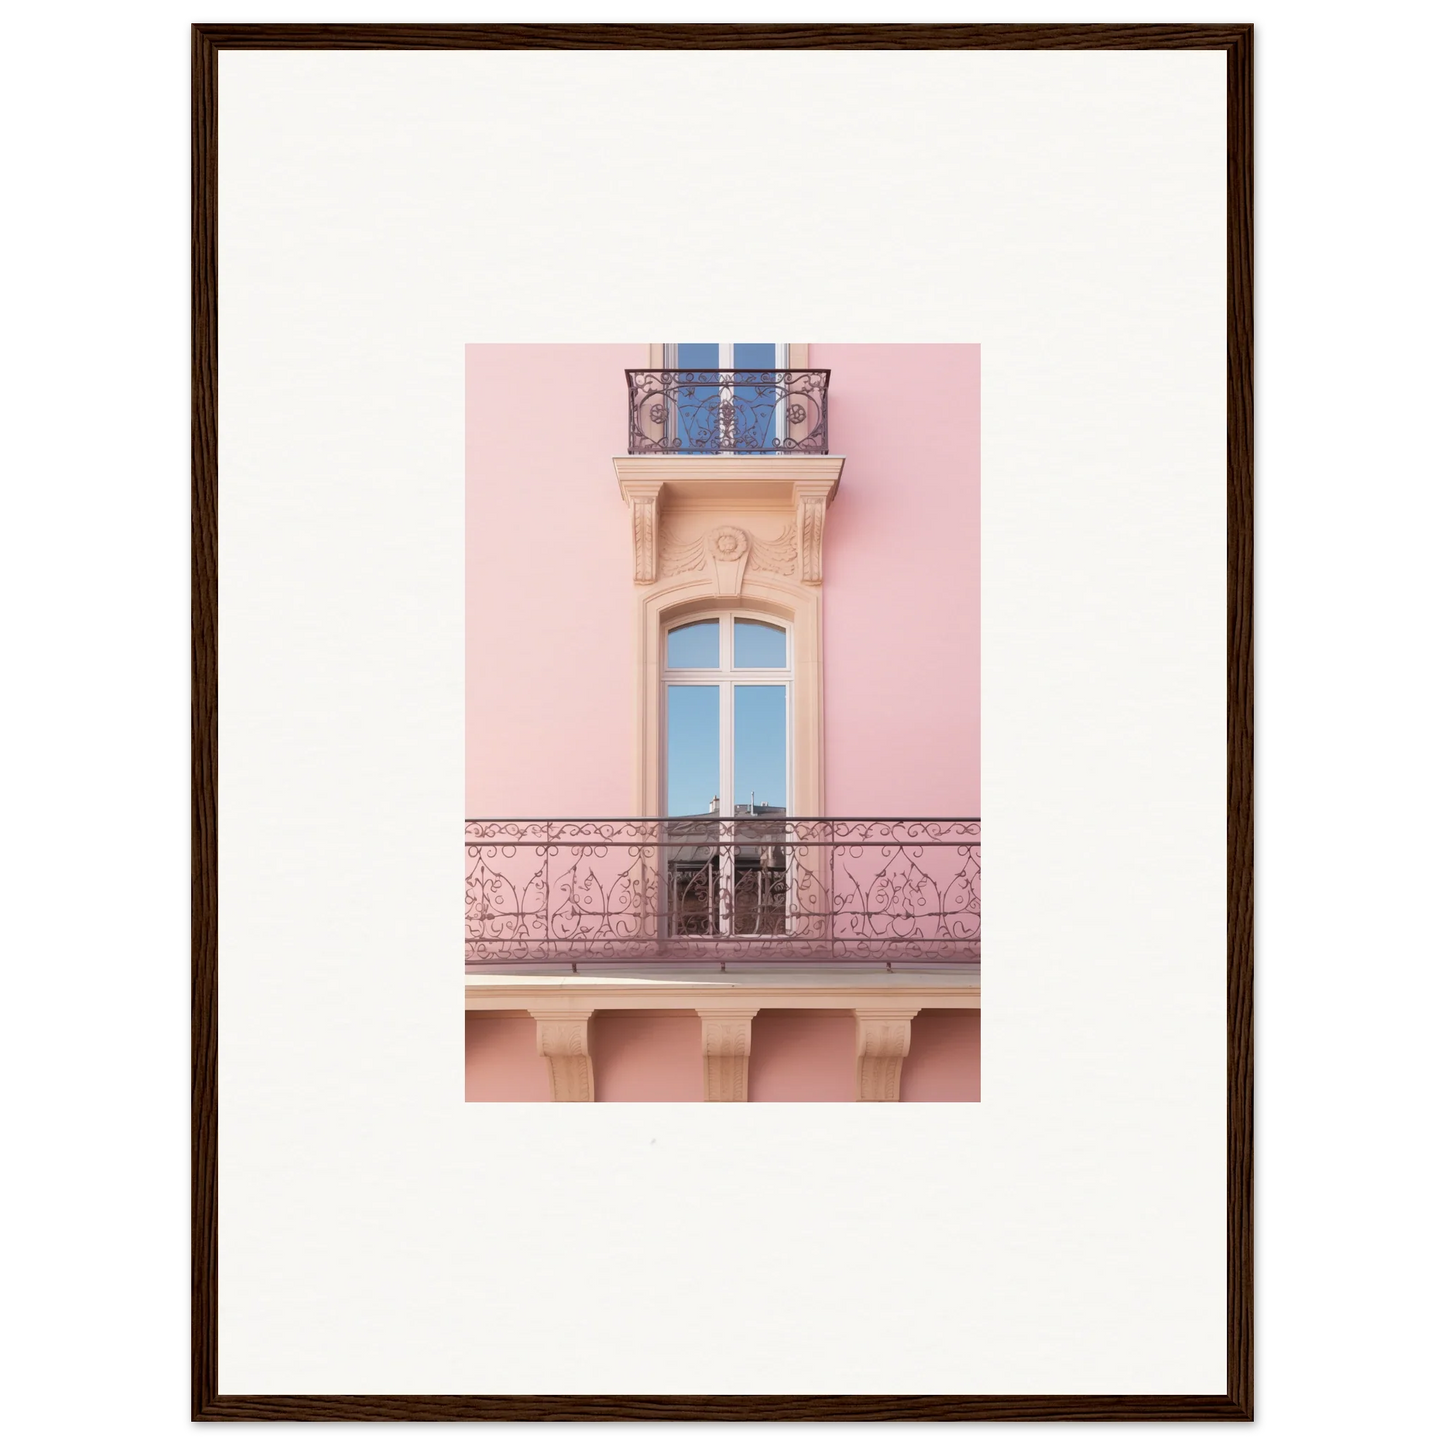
[
  {"x": 882, "y": 1039},
  {"x": 642, "y": 499},
  {"x": 727, "y": 1041},
  {"x": 810, "y": 504},
  {"x": 562, "y": 1040}
]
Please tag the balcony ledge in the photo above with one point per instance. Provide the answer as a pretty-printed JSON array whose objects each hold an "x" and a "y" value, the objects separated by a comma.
[
  {"x": 818, "y": 989},
  {"x": 730, "y": 478}
]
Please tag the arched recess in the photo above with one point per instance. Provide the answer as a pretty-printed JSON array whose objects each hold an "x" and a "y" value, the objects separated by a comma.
[{"x": 667, "y": 603}]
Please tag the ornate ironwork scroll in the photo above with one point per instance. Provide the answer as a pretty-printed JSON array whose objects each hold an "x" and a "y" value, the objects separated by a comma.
[
  {"x": 727, "y": 412},
  {"x": 865, "y": 892}
]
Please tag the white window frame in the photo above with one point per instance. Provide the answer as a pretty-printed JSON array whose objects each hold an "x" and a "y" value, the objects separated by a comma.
[
  {"x": 724, "y": 355},
  {"x": 680, "y": 598},
  {"x": 726, "y": 677}
]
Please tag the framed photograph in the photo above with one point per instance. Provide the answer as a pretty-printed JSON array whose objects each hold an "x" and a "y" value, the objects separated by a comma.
[{"x": 584, "y": 714}]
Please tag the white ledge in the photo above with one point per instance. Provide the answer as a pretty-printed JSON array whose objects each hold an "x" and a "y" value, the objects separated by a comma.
[{"x": 818, "y": 990}]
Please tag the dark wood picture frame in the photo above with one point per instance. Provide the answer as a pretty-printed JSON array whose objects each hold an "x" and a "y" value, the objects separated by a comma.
[{"x": 1237, "y": 1403}]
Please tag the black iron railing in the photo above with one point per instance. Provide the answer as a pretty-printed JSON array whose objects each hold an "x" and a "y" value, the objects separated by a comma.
[
  {"x": 710, "y": 891},
  {"x": 731, "y": 412}
]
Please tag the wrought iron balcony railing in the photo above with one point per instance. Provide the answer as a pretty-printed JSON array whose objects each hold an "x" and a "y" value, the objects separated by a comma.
[
  {"x": 711, "y": 891},
  {"x": 734, "y": 412}
]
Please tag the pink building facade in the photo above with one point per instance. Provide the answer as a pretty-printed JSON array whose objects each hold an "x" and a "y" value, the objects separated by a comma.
[{"x": 750, "y": 572}]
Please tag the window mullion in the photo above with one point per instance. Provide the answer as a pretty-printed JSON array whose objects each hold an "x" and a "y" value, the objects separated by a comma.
[
  {"x": 726, "y": 872},
  {"x": 725, "y": 389},
  {"x": 726, "y": 869}
]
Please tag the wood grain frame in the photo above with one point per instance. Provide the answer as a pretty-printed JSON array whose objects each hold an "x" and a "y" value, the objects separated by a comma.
[{"x": 1237, "y": 1403}]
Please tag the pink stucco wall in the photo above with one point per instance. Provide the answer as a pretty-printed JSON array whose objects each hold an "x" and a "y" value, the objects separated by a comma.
[
  {"x": 503, "y": 1065},
  {"x": 653, "y": 1057},
  {"x": 548, "y": 582},
  {"x": 549, "y": 591},
  {"x": 943, "y": 1058},
  {"x": 803, "y": 1056},
  {"x": 901, "y": 581}
]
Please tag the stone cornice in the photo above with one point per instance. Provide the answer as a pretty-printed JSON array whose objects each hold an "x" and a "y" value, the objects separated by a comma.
[{"x": 686, "y": 473}]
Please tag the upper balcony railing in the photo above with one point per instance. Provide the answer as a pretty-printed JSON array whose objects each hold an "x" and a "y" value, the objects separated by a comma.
[
  {"x": 727, "y": 413},
  {"x": 712, "y": 891}
]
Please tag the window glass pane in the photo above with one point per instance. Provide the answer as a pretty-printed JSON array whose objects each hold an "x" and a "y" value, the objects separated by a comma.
[
  {"x": 756, "y": 398},
  {"x": 696, "y": 402},
  {"x": 749, "y": 355},
  {"x": 695, "y": 645},
  {"x": 759, "y": 644},
  {"x": 760, "y": 745},
  {"x": 693, "y": 716},
  {"x": 691, "y": 354}
]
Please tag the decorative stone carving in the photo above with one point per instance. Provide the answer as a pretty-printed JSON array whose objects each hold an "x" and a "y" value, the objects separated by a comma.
[
  {"x": 728, "y": 548},
  {"x": 882, "y": 1038},
  {"x": 654, "y": 485},
  {"x": 676, "y": 559},
  {"x": 780, "y": 556},
  {"x": 727, "y": 1041},
  {"x": 644, "y": 538},
  {"x": 727, "y": 544},
  {"x": 724, "y": 546},
  {"x": 642, "y": 500},
  {"x": 812, "y": 505},
  {"x": 562, "y": 1039}
]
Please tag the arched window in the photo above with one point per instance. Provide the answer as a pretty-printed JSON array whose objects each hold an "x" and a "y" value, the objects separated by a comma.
[
  {"x": 727, "y": 683},
  {"x": 727, "y": 757}
]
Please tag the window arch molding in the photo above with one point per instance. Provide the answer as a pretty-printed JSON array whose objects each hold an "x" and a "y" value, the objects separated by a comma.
[{"x": 796, "y": 606}]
